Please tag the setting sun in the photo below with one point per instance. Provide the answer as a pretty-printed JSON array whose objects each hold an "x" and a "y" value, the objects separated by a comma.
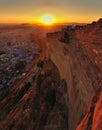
[{"x": 47, "y": 19}]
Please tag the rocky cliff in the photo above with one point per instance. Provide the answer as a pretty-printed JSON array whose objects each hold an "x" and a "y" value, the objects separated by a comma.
[
  {"x": 77, "y": 66},
  {"x": 62, "y": 89},
  {"x": 36, "y": 104},
  {"x": 91, "y": 37},
  {"x": 93, "y": 117}
]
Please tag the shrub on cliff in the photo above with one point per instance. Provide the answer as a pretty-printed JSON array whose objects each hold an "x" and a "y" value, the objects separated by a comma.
[
  {"x": 40, "y": 64},
  {"x": 40, "y": 79},
  {"x": 20, "y": 65}
]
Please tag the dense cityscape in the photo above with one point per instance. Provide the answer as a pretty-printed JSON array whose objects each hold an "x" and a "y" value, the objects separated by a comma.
[{"x": 16, "y": 56}]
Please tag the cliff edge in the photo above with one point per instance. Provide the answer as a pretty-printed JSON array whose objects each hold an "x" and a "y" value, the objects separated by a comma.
[{"x": 77, "y": 66}]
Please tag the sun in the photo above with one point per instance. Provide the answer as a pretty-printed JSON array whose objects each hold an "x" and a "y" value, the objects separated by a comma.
[{"x": 47, "y": 20}]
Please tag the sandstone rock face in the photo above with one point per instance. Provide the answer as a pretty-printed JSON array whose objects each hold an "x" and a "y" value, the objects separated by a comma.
[
  {"x": 57, "y": 96},
  {"x": 39, "y": 105},
  {"x": 80, "y": 72},
  {"x": 91, "y": 37},
  {"x": 93, "y": 117}
]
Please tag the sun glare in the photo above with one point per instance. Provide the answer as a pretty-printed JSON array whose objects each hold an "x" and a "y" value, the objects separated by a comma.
[{"x": 48, "y": 20}]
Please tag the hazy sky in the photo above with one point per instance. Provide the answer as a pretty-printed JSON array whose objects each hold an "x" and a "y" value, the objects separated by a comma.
[{"x": 63, "y": 10}]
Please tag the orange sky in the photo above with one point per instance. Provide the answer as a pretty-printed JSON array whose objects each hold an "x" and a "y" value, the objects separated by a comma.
[{"x": 33, "y": 11}]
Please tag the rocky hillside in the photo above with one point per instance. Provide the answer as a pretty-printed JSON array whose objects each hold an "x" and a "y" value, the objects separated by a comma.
[
  {"x": 93, "y": 117},
  {"x": 72, "y": 51},
  {"x": 91, "y": 37},
  {"x": 38, "y": 103},
  {"x": 62, "y": 90}
]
